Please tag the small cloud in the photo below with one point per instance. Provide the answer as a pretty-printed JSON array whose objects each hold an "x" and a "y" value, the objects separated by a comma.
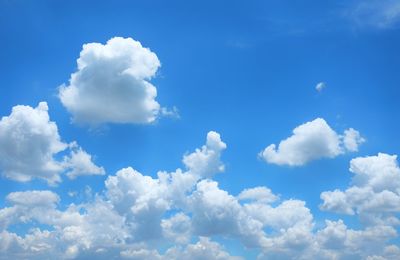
[
  {"x": 172, "y": 113},
  {"x": 72, "y": 193},
  {"x": 312, "y": 141},
  {"x": 320, "y": 86}
]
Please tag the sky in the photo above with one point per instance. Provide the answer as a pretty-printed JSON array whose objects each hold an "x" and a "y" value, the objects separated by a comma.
[{"x": 199, "y": 129}]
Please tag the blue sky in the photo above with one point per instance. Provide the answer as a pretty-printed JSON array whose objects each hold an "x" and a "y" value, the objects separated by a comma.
[{"x": 246, "y": 70}]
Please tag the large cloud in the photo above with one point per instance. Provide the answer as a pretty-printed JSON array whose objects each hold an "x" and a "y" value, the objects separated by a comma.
[
  {"x": 375, "y": 193},
  {"x": 181, "y": 211},
  {"x": 29, "y": 142},
  {"x": 311, "y": 141},
  {"x": 112, "y": 84}
]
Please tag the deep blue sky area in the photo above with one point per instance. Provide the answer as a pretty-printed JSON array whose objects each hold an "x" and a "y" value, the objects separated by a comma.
[{"x": 246, "y": 69}]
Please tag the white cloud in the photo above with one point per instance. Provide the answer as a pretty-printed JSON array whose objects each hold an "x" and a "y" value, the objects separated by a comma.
[
  {"x": 311, "y": 141},
  {"x": 352, "y": 140},
  {"x": 80, "y": 163},
  {"x": 178, "y": 228},
  {"x": 33, "y": 198},
  {"x": 136, "y": 215},
  {"x": 203, "y": 249},
  {"x": 29, "y": 141},
  {"x": 112, "y": 84},
  {"x": 206, "y": 161},
  {"x": 260, "y": 194},
  {"x": 320, "y": 86},
  {"x": 375, "y": 194}
]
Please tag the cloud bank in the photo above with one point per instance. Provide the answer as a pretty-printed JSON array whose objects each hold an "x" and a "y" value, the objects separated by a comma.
[{"x": 185, "y": 210}]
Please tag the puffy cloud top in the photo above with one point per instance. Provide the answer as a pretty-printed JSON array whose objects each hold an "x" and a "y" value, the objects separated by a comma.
[
  {"x": 137, "y": 213},
  {"x": 112, "y": 84},
  {"x": 206, "y": 161},
  {"x": 375, "y": 193},
  {"x": 311, "y": 141},
  {"x": 29, "y": 141}
]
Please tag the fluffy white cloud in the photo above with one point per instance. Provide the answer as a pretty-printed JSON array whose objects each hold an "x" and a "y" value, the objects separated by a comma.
[
  {"x": 352, "y": 140},
  {"x": 206, "y": 161},
  {"x": 178, "y": 228},
  {"x": 33, "y": 198},
  {"x": 112, "y": 84},
  {"x": 203, "y": 249},
  {"x": 29, "y": 141},
  {"x": 260, "y": 194},
  {"x": 311, "y": 141},
  {"x": 80, "y": 163},
  {"x": 375, "y": 194},
  {"x": 136, "y": 215}
]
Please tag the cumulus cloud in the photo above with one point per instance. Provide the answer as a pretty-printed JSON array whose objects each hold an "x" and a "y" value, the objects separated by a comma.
[
  {"x": 80, "y": 163},
  {"x": 203, "y": 249},
  {"x": 112, "y": 84},
  {"x": 352, "y": 140},
  {"x": 180, "y": 211},
  {"x": 375, "y": 193},
  {"x": 206, "y": 161},
  {"x": 29, "y": 143},
  {"x": 261, "y": 194},
  {"x": 311, "y": 141}
]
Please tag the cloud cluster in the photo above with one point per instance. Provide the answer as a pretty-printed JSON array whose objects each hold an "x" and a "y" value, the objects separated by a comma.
[
  {"x": 375, "y": 193},
  {"x": 29, "y": 142},
  {"x": 185, "y": 209},
  {"x": 112, "y": 84},
  {"x": 311, "y": 141}
]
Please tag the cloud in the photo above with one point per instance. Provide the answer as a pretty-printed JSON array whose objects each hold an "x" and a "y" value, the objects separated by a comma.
[
  {"x": 136, "y": 215},
  {"x": 206, "y": 161},
  {"x": 311, "y": 141},
  {"x": 375, "y": 193},
  {"x": 352, "y": 140},
  {"x": 260, "y": 194},
  {"x": 29, "y": 143},
  {"x": 320, "y": 86},
  {"x": 379, "y": 14},
  {"x": 33, "y": 198},
  {"x": 112, "y": 84},
  {"x": 80, "y": 163},
  {"x": 203, "y": 249}
]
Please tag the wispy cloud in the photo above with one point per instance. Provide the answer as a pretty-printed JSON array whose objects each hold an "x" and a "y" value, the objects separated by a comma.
[{"x": 379, "y": 14}]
